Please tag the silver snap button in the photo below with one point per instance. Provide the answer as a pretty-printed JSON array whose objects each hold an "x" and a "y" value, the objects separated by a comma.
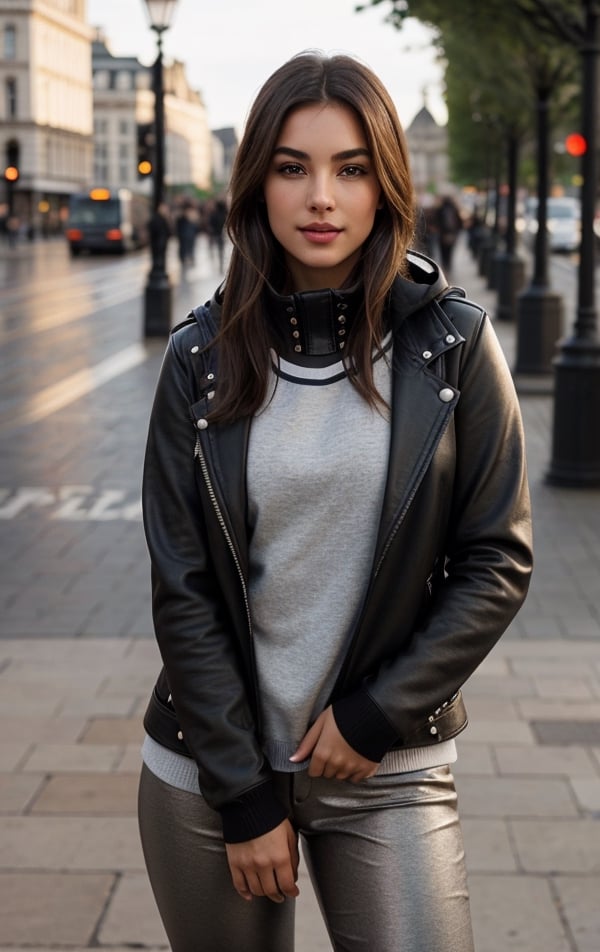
[
  {"x": 446, "y": 395},
  {"x": 450, "y": 339},
  {"x": 427, "y": 354},
  {"x": 433, "y": 730},
  {"x": 210, "y": 395},
  {"x": 179, "y": 736},
  {"x": 210, "y": 376},
  {"x": 195, "y": 349},
  {"x": 202, "y": 424},
  {"x": 298, "y": 348}
]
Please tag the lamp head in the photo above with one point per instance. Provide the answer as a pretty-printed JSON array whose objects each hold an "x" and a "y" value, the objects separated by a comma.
[{"x": 160, "y": 13}]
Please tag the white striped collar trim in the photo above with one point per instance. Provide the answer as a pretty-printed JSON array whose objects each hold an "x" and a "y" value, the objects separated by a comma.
[{"x": 336, "y": 370}]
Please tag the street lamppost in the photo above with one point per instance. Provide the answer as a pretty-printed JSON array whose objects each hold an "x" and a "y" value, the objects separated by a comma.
[
  {"x": 576, "y": 433},
  {"x": 157, "y": 297}
]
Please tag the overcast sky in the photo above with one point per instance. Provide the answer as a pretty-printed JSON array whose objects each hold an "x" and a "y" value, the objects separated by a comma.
[{"x": 231, "y": 46}]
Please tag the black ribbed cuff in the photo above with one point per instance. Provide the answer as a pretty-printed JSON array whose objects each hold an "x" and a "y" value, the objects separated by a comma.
[
  {"x": 363, "y": 725},
  {"x": 252, "y": 814}
]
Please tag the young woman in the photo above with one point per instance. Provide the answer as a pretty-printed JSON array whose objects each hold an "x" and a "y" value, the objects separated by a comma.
[{"x": 336, "y": 508}]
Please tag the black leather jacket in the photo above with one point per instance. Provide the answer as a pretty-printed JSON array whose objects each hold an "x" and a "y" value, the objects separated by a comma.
[{"x": 451, "y": 569}]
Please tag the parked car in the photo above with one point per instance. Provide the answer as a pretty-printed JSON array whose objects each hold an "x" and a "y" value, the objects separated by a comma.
[{"x": 564, "y": 223}]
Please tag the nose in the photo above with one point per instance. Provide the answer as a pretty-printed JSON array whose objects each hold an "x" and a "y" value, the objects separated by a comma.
[{"x": 320, "y": 196}]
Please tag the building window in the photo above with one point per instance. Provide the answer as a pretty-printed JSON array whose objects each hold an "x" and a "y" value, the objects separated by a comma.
[
  {"x": 101, "y": 79},
  {"x": 123, "y": 80},
  {"x": 10, "y": 42},
  {"x": 11, "y": 98},
  {"x": 124, "y": 127},
  {"x": 124, "y": 150}
]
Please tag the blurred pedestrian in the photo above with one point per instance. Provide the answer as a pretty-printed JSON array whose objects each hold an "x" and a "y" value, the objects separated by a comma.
[
  {"x": 217, "y": 217},
  {"x": 334, "y": 549},
  {"x": 160, "y": 229},
  {"x": 448, "y": 225},
  {"x": 13, "y": 230},
  {"x": 186, "y": 228}
]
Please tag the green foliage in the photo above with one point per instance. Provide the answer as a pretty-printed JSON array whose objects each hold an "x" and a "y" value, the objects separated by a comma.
[{"x": 501, "y": 58}]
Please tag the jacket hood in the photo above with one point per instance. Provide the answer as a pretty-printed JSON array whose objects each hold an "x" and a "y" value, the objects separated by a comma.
[{"x": 425, "y": 283}]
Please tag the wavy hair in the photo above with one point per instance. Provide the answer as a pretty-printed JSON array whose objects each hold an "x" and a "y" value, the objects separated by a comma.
[{"x": 256, "y": 258}]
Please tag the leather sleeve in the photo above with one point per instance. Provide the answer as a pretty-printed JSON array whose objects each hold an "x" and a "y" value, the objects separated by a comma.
[
  {"x": 192, "y": 620},
  {"x": 487, "y": 559}
]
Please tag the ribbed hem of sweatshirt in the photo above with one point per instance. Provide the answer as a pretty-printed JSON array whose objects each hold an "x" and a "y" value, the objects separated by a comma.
[
  {"x": 252, "y": 814},
  {"x": 363, "y": 726}
]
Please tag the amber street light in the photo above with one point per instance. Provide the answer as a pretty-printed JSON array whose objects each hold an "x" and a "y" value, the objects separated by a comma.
[{"x": 157, "y": 299}]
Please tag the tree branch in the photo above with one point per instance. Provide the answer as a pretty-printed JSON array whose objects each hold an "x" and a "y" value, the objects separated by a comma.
[{"x": 558, "y": 23}]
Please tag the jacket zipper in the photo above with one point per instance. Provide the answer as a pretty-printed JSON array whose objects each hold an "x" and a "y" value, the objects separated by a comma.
[{"x": 199, "y": 454}]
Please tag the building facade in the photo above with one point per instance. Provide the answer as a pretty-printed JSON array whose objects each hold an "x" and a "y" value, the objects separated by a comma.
[
  {"x": 428, "y": 146},
  {"x": 124, "y": 110},
  {"x": 46, "y": 107},
  {"x": 225, "y": 145}
]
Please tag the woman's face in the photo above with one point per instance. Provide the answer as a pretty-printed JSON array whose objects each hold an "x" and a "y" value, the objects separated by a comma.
[{"x": 321, "y": 194}]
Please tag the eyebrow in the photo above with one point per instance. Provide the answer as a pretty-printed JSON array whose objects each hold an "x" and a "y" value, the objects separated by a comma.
[{"x": 338, "y": 157}]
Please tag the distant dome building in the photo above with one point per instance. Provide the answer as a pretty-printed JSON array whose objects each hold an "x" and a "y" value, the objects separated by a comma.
[{"x": 428, "y": 146}]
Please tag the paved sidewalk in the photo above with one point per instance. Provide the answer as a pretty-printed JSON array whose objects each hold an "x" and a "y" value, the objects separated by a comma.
[{"x": 71, "y": 700}]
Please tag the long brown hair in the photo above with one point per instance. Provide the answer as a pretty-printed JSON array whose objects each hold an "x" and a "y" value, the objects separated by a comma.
[{"x": 308, "y": 78}]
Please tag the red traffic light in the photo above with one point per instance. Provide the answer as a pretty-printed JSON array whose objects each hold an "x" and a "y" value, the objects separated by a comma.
[
  {"x": 575, "y": 144},
  {"x": 11, "y": 173}
]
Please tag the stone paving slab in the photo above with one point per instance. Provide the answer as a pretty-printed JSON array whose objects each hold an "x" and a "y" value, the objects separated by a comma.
[
  {"x": 579, "y": 903},
  {"x": 25, "y": 729},
  {"x": 487, "y": 846},
  {"x": 515, "y": 913},
  {"x": 90, "y": 794},
  {"x": 557, "y": 846},
  {"x": 515, "y": 796},
  {"x": 122, "y": 730},
  {"x": 50, "y": 908},
  {"x": 66, "y": 758},
  {"x": 569, "y": 761},
  {"x": 17, "y": 791},
  {"x": 132, "y": 919},
  {"x": 102, "y": 844}
]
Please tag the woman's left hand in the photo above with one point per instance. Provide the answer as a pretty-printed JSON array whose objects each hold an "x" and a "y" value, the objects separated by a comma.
[{"x": 330, "y": 755}]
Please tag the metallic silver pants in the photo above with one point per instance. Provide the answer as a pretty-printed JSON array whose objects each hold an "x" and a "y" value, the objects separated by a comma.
[{"x": 385, "y": 858}]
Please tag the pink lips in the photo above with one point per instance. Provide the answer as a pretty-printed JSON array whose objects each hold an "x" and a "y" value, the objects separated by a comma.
[{"x": 321, "y": 233}]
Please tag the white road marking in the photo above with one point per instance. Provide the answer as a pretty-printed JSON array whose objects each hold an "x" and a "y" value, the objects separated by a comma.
[
  {"x": 71, "y": 504},
  {"x": 59, "y": 395}
]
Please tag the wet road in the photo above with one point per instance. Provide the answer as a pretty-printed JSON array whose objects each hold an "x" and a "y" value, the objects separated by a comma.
[{"x": 76, "y": 384}]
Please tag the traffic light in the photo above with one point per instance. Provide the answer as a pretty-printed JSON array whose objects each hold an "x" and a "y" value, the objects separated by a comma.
[
  {"x": 575, "y": 144},
  {"x": 11, "y": 170},
  {"x": 145, "y": 149}
]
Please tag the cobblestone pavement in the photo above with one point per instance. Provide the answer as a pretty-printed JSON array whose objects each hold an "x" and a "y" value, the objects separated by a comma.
[{"x": 77, "y": 661}]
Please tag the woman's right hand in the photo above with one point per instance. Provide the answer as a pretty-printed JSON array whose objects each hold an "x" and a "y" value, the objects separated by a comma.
[{"x": 266, "y": 866}]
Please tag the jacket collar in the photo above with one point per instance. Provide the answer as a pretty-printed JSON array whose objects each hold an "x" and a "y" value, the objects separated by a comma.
[{"x": 313, "y": 323}]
